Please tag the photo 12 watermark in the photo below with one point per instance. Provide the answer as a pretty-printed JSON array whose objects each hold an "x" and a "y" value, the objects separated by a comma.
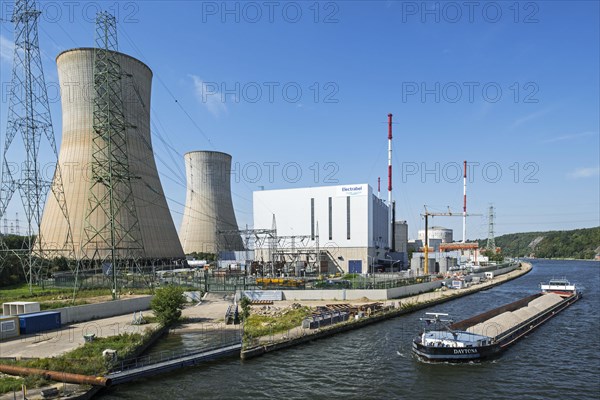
[
  {"x": 469, "y": 92},
  {"x": 268, "y": 92},
  {"x": 453, "y": 172},
  {"x": 125, "y": 12},
  {"x": 471, "y": 12},
  {"x": 288, "y": 172},
  {"x": 268, "y": 172},
  {"x": 253, "y": 12},
  {"x": 78, "y": 333},
  {"x": 69, "y": 92}
]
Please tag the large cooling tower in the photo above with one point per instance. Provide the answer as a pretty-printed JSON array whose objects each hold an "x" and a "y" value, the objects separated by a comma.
[
  {"x": 158, "y": 233},
  {"x": 208, "y": 205}
]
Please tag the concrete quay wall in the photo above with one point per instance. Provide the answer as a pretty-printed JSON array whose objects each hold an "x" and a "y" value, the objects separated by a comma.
[{"x": 107, "y": 309}]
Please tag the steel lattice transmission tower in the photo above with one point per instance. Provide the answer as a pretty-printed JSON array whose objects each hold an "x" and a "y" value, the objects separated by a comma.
[
  {"x": 29, "y": 118},
  {"x": 111, "y": 224},
  {"x": 491, "y": 241}
]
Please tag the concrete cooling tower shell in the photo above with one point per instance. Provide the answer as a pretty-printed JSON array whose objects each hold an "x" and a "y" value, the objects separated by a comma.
[
  {"x": 208, "y": 205},
  {"x": 75, "y": 72}
]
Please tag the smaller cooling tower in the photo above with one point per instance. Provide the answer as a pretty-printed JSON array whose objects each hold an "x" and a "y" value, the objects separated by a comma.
[{"x": 208, "y": 205}]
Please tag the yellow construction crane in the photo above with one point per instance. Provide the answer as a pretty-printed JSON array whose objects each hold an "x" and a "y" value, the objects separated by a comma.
[{"x": 428, "y": 214}]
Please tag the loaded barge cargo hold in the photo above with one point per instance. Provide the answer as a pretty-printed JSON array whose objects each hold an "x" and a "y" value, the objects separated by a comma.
[{"x": 488, "y": 334}]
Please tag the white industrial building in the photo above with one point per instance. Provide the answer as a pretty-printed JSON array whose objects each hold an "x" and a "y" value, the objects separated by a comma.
[{"x": 347, "y": 224}]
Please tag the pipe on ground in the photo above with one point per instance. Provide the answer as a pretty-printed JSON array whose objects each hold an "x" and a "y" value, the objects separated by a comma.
[{"x": 56, "y": 375}]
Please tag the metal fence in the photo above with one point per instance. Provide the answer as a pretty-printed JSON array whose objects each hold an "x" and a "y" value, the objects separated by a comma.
[
  {"x": 207, "y": 281},
  {"x": 211, "y": 338}
]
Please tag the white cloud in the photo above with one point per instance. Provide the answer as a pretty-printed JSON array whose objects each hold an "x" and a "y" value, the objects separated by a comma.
[
  {"x": 7, "y": 48},
  {"x": 570, "y": 137},
  {"x": 530, "y": 117},
  {"x": 209, "y": 95},
  {"x": 586, "y": 172}
]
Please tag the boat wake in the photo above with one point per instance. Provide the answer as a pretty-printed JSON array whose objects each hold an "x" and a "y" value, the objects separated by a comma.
[{"x": 403, "y": 354}]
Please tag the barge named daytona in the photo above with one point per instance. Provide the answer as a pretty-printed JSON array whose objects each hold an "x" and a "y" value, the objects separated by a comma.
[{"x": 489, "y": 334}]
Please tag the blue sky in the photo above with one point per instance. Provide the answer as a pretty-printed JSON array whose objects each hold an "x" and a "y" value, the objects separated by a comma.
[{"x": 303, "y": 89}]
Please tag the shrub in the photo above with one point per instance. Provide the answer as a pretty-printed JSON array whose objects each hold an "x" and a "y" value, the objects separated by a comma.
[
  {"x": 167, "y": 304},
  {"x": 245, "y": 305}
]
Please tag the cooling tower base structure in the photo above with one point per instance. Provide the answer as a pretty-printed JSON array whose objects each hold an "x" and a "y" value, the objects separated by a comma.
[
  {"x": 208, "y": 205},
  {"x": 76, "y": 160}
]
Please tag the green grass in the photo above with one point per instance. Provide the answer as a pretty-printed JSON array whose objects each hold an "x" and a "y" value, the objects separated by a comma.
[
  {"x": 9, "y": 384},
  {"x": 60, "y": 304},
  {"x": 85, "y": 360},
  {"x": 18, "y": 292},
  {"x": 21, "y": 292},
  {"x": 261, "y": 325},
  {"x": 13, "y": 384}
]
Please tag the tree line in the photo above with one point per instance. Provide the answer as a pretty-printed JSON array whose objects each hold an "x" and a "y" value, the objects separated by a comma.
[
  {"x": 11, "y": 265},
  {"x": 578, "y": 243}
]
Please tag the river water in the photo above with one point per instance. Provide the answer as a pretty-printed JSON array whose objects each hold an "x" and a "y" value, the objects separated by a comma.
[{"x": 560, "y": 360}]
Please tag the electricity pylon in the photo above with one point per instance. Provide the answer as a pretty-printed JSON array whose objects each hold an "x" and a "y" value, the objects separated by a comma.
[
  {"x": 112, "y": 233},
  {"x": 29, "y": 119}
]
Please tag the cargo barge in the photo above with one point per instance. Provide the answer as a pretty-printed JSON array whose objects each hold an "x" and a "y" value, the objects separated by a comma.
[{"x": 487, "y": 335}]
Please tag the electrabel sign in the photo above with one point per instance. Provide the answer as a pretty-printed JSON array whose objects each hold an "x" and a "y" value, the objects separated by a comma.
[{"x": 357, "y": 190}]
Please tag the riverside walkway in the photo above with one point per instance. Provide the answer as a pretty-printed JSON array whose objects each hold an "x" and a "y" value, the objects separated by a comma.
[{"x": 130, "y": 371}]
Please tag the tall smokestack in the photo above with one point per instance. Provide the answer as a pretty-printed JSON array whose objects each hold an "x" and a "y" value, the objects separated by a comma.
[
  {"x": 391, "y": 239},
  {"x": 379, "y": 187},
  {"x": 465, "y": 203},
  {"x": 393, "y": 248}
]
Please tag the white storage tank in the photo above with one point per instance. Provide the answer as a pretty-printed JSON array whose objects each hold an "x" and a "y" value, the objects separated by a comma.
[{"x": 436, "y": 232}]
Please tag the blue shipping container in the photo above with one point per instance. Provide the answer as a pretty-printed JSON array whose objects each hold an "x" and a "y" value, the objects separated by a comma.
[{"x": 39, "y": 322}]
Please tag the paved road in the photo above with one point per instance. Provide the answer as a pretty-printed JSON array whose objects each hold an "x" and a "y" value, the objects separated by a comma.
[{"x": 54, "y": 343}]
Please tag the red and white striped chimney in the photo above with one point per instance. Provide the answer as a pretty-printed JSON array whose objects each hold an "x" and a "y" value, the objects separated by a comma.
[{"x": 390, "y": 238}]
